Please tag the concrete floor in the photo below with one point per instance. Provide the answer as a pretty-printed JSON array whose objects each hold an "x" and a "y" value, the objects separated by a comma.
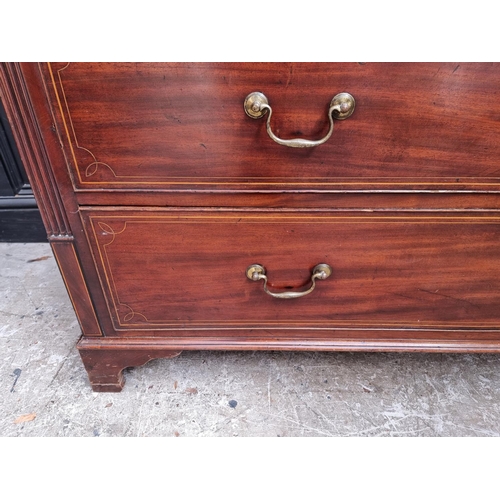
[{"x": 221, "y": 393}]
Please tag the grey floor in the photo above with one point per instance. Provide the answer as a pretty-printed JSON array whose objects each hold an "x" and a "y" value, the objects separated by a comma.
[{"x": 45, "y": 391}]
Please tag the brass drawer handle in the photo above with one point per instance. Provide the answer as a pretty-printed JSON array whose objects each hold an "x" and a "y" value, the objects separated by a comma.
[
  {"x": 256, "y": 272},
  {"x": 342, "y": 106}
]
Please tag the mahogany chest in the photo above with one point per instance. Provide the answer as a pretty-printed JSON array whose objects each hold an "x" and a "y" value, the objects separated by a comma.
[{"x": 299, "y": 206}]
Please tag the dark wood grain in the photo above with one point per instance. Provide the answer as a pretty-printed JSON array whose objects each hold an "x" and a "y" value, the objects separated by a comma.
[
  {"x": 166, "y": 271},
  {"x": 338, "y": 200},
  {"x": 182, "y": 126}
]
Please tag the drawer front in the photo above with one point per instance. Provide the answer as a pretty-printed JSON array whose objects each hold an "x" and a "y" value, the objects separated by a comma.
[
  {"x": 416, "y": 126},
  {"x": 165, "y": 272}
]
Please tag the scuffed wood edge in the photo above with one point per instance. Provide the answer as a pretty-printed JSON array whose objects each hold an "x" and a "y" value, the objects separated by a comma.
[
  {"x": 105, "y": 366},
  {"x": 241, "y": 343}
]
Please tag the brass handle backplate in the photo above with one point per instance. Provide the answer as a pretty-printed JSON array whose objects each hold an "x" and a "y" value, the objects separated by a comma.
[
  {"x": 256, "y": 272},
  {"x": 341, "y": 107}
]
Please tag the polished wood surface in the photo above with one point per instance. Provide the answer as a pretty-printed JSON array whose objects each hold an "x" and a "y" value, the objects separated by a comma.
[
  {"x": 182, "y": 126},
  {"x": 157, "y": 192},
  {"x": 391, "y": 271}
]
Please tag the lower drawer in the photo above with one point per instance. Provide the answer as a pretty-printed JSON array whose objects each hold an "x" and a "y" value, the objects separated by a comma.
[{"x": 172, "y": 273}]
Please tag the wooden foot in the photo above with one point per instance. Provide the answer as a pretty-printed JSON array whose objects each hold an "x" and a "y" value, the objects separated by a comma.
[{"x": 105, "y": 364}]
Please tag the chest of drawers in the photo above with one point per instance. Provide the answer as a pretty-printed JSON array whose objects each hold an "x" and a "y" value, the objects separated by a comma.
[{"x": 298, "y": 206}]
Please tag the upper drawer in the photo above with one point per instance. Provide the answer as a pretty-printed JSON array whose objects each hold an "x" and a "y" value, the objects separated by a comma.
[{"x": 167, "y": 126}]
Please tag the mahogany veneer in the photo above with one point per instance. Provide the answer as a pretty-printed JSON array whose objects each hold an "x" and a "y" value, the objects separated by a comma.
[{"x": 158, "y": 192}]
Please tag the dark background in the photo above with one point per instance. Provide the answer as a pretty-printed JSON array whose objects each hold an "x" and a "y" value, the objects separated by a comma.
[{"x": 20, "y": 219}]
